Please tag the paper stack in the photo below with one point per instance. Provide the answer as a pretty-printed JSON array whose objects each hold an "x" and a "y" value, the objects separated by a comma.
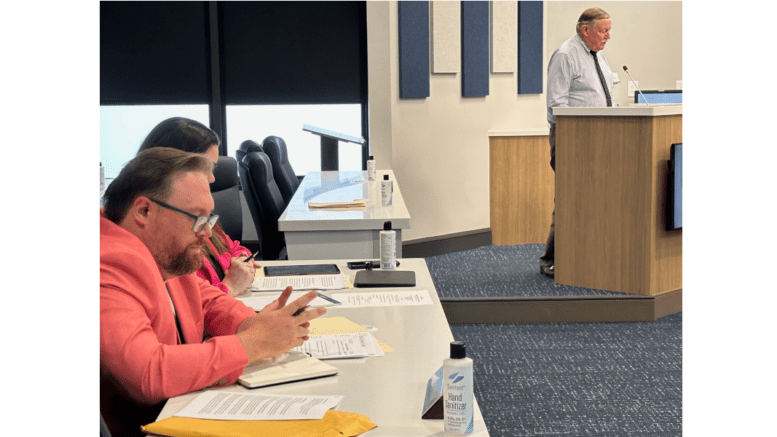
[{"x": 352, "y": 345}]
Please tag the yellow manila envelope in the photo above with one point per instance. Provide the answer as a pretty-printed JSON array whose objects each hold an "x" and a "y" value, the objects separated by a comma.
[
  {"x": 333, "y": 424},
  {"x": 333, "y": 325}
]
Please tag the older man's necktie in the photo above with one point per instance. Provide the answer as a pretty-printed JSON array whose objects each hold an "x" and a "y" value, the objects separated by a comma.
[{"x": 601, "y": 79}]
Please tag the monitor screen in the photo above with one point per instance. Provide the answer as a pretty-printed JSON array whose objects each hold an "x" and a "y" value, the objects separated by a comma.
[
  {"x": 659, "y": 96},
  {"x": 674, "y": 207}
]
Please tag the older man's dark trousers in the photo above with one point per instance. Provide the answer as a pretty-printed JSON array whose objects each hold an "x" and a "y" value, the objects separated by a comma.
[{"x": 548, "y": 259}]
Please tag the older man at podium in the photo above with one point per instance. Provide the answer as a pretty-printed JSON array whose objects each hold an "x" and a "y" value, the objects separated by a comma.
[{"x": 578, "y": 76}]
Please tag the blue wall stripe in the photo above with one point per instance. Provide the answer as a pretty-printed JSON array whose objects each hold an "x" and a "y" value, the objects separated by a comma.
[
  {"x": 530, "y": 32},
  {"x": 474, "y": 48},
  {"x": 413, "y": 21}
]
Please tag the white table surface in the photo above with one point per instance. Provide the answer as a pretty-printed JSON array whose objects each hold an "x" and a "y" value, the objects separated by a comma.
[
  {"x": 390, "y": 389},
  {"x": 338, "y": 186}
]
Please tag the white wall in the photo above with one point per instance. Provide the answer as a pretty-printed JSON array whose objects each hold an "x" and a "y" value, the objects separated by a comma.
[{"x": 438, "y": 146}]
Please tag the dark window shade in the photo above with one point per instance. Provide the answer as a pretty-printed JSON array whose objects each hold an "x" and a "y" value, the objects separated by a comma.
[
  {"x": 153, "y": 53},
  {"x": 293, "y": 52}
]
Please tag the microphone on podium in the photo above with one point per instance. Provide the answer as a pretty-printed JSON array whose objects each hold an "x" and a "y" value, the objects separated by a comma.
[{"x": 626, "y": 69}]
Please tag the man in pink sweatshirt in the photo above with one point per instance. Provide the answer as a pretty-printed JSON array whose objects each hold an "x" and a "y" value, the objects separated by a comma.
[{"x": 155, "y": 312}]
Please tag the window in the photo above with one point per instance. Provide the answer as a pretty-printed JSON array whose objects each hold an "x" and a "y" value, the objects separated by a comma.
[
  {"x": 294, "y": 62},
  {"x": 123, "y": 128},
  {"x": 253, "y": 122}
]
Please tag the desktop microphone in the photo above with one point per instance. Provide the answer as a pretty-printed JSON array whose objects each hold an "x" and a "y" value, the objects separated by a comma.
[{"x": 626, "y": 69}]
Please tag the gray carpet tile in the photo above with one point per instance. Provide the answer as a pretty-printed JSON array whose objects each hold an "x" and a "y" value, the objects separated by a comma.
[
  {"x": 583, "y": 379},
  {"x": 498, "y": 271}
]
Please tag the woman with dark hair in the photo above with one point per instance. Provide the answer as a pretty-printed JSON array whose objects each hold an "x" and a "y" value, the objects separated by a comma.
[{"x": 223, "y": 264}]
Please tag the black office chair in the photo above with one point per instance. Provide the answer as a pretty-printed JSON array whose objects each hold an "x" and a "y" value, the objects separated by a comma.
[
  {"x": 104, "y": 432},
  {"x": 226, "y": 197},
  {"x": 264, "y": 201},
  {"x": 247, "y": 146},
  {"x": 285, "y": 176}
]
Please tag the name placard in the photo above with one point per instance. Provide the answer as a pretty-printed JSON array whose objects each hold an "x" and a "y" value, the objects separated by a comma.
[{"x": 433, "y": 398}]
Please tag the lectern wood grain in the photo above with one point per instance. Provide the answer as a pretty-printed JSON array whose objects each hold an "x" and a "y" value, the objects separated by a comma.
[
  {"x": 611, "y": 176},
  {"x": 521, "y": 189}
]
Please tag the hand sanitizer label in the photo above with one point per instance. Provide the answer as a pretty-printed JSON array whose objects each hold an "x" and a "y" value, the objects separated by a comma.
[{"x": 457, "y": 398}]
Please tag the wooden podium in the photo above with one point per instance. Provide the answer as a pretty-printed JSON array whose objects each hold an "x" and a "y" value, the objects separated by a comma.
[{"x": 611, "y": 185}]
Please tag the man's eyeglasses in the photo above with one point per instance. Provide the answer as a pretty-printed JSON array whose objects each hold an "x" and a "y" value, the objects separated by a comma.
[{"x": 199, "y": 220}]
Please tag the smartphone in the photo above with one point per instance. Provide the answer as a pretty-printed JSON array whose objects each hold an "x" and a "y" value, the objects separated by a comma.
[
  {"x": 384, "y": 278},
  {"x": 302, "y": 269}
]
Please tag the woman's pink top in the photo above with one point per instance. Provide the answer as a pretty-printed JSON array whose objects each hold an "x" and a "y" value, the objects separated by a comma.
[{"x": 207, "y": 272}]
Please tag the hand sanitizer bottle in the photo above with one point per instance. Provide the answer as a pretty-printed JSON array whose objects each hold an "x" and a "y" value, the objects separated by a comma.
[
  {"x": 388, "y": 247},
  {"x": 386, "y": 190},
  {"x": 371, "y": 168},
  {"x": 457, "y": 391}
]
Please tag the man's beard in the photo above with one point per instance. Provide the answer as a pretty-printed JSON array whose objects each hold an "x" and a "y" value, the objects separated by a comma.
[{"x": 181, "y": 263}]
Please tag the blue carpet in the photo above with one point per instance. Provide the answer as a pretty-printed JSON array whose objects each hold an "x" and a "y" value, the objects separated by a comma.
[
  {"x": 585, "y": 379},
  {"x": 498, "y": 271},
  {"x": 575, "y": 379}
]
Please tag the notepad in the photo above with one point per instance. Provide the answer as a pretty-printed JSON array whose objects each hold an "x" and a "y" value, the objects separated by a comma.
[{"x": 290, "y": 367}]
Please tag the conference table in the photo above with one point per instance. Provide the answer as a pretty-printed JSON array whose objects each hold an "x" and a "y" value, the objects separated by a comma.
[
  {"x": 341, "y": 233},
  {"x": 390, "y": 390}
]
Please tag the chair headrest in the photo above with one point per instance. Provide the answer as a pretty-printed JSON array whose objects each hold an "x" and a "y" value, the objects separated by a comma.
[
  {"x": 225, "y": 173},
  {"x": 259, "y": 162},
  {"x": 249, "y": 146},
  {"x": 276, "y": 145}
]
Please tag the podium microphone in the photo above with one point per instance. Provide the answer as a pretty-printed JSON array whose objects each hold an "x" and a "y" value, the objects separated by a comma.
[{"x": 626, "y": 69}]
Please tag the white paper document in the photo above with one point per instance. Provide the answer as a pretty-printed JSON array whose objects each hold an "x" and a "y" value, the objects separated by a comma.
[
  {"x": 299, "y": 282},
  {"x": 224, "y": 405},
  {"x": 258, "y": 302},
  {"x": 383, "y": 298},
  {"x": 355, "y": 345}
]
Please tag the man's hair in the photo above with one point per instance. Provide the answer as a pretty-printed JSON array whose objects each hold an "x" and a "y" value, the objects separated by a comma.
[
  {"x": 182, "y": 134},
  {"x": 150, "y": 174},
  {"x": 589, "y": 17}
]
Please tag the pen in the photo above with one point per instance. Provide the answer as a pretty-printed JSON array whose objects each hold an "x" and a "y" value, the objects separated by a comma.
[
  {"x": 322, "y": 296},
  {"x": 252, "y": 256},
  {"x": 300, "y": 311}
]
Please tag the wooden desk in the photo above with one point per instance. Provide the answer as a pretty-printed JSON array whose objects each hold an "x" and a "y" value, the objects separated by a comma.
[
  {"x": 352, "y": 233},
  {"x": 390, "y": 389},
  {"x": 521, "y": 186}
]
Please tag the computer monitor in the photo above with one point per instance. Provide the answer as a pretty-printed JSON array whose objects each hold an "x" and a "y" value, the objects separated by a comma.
[
  {"x": 659, "y": 96},
  {"x": 674, "y": 198}
]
